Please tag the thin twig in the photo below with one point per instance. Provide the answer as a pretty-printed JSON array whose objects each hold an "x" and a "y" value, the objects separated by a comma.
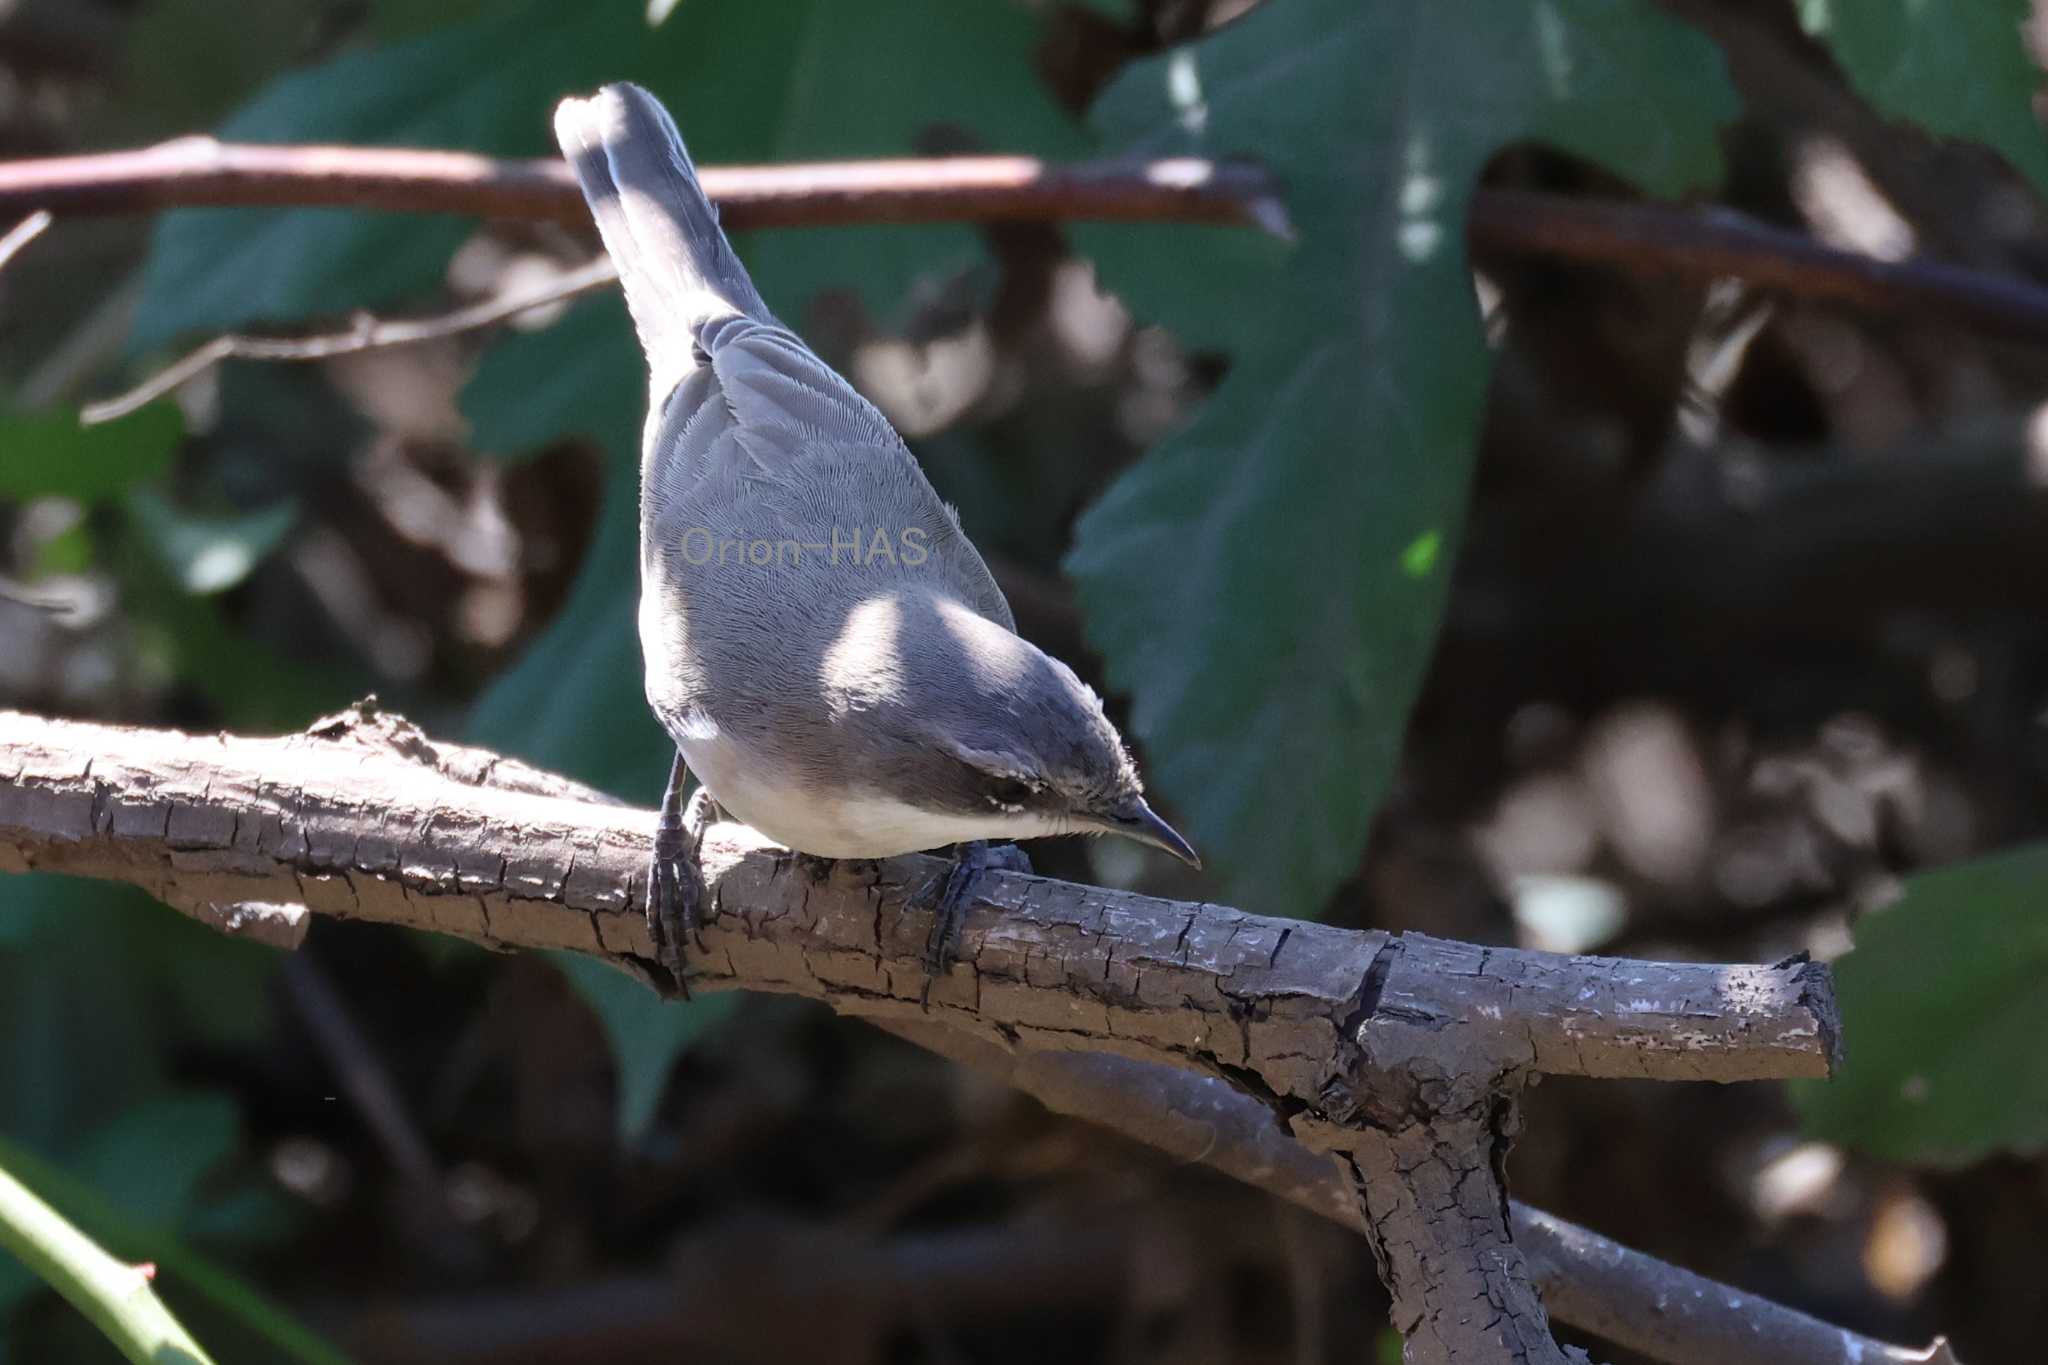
[
  {"x": 11, "y": 591},
  {"x": 21, "y": 234},
  {"x": 368, "y": 333},
  {"x": 363, "y": 1075},
  {"x": 195, "y": 171},
  {"x": 1718, "y": 243}
]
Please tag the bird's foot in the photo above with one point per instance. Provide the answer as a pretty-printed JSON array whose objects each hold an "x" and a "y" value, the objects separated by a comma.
[
  {"x": 955, "y": 892},
  {"x": 812, "y": 866},
  {"x": 675, "y": 885}
]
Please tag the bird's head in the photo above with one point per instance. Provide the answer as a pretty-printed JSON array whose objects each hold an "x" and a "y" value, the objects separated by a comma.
[{"x": 1003, "y": 741}]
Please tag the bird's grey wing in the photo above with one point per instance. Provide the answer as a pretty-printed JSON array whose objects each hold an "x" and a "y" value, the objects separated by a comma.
[
  {"x": 766, "y": 410},
  {"x": 735, "y": 397},
  {"x": 758, "y": 404},
  {"x": 969, "y": 575}
]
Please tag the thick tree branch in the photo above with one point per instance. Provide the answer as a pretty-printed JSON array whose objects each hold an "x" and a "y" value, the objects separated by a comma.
[
  {"x": 366, "y": 819},
  {"x": 1377, "y": 1047},
  {"x": 1601, "y": 1286}
]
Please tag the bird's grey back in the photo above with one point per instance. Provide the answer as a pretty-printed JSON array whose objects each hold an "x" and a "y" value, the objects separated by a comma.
[{"x": 752, "y": 440}]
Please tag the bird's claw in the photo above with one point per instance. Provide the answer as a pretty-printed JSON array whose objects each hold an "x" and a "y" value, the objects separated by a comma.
[
  {"x": 949, "y": 908},
  {"x": 675, "y": 887},
  {"x": 818, "y": 870}
]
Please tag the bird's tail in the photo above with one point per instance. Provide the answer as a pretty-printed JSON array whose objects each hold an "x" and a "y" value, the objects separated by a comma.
[{"x": 662, "y": 232}]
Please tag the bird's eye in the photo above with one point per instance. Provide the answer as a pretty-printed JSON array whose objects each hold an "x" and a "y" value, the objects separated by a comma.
[{"x": 1009, "y": 792}]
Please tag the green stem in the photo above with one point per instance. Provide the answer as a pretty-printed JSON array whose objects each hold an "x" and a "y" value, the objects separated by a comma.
[
  {"x": 200, "y": 1274},
  {"x": 116, "y": 1296}
]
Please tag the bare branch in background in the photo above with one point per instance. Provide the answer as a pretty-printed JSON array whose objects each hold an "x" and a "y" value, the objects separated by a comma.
[
  {"x": 369, "y": 333},
  {"x": 22, "y": 233},
  {"x": 1640, "y": 237},
  {"x": 195, "y": 171},
  {"x": 1721, "y": 243},
  {"x": 1587, "y": 1280}
]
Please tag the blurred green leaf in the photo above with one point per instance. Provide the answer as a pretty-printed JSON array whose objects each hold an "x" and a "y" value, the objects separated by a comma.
[
  {"x": 486, "y": 86},
  {"x": 68, "y": 552},
  {"x": 88, "y": 968},
  {"x": 150, "y": 1158},
  {"x": 391, "y": 19},
  {"x": 973, "y": 74},
  {"x": 1956, "y": 70},
  {"x": 490, "y": 85},
  {"x": 188, "y": 61},
  {"x": 88, "y": 973},
  {"x": 1944, "y": 1010},
  {"x": 75, "y": 995},
  {"x": 581, "y": 377},
  {"x": 52, "y": 454},
  {"x": 209, "y": 554},
  {"x": 647, "y": 1033},
  {"x": 1254, "y": 582},
  {"x": 180, "y": 1268},
  {"x": 574, "y": 703},
  {"x": 251, "y": 684}
]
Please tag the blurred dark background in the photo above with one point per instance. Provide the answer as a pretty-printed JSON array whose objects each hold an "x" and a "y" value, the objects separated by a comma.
[{"x": 1745, "y": 631}]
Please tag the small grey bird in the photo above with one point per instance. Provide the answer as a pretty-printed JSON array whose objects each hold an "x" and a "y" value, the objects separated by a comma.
[{"x": 828, "y": 652}]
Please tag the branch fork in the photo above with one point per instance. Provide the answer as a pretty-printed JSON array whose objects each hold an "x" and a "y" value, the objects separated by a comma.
[{"x": 1401, "y": 1057}]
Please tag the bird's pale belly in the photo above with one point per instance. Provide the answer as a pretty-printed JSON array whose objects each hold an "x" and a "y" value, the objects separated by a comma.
[{"x": 841, "y": 823}]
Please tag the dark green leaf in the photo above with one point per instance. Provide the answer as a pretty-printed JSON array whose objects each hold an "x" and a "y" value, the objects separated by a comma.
[
  {"x": 186, "y": 1271},
  {"x": 1266, "y": 584},
  {"x": 647, "y": 1033},
  {"x": 69, "y": 551},
  {"x": 581, "y": 377},
  {"x": 88, "y": 971},
  {"x": 148, "y": 1160},
  {"x": 45, "y": 454},
  {"x": 973, "y": 73},
  {"x": 252, "y": 684},
  {"x": 208, "y": 554},
  {"x": 574, "y": 704},
  {"x": 1956, "y": 70},
  {"x": 745, "y": 79},
  {"x": 74, "y": 997},
  {"x": 190, "y": 61},
  {"x": 487, "y": 86},
  {"x": 1944, "y": 1010}
]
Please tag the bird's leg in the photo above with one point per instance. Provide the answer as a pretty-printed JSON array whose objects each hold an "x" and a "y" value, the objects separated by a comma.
[
  {"x": 675, "y": 885},
  {"x": 950, "y": 907}
]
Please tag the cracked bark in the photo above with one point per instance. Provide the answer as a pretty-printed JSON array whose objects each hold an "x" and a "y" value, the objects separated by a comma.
[
  {"x": 1632, "y": 1300},
  {"x": 1403, "y": 1055}
]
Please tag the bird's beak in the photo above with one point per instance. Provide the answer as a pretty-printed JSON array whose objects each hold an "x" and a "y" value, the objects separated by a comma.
[{"x": 1137, "y": 820}]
